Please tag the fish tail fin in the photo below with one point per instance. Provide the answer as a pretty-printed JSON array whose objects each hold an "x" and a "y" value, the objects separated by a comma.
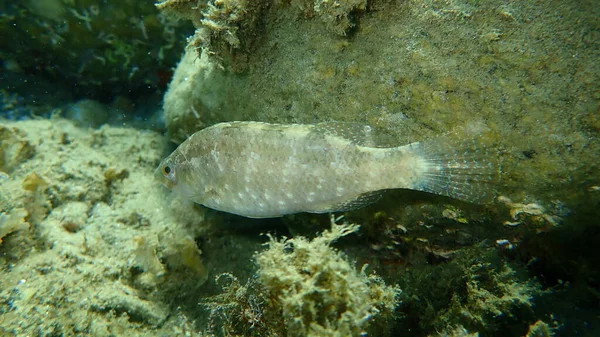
[{"x": 462, "y": 169}]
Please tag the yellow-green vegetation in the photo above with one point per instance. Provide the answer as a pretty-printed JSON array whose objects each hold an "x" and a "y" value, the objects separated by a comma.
[
  {"x": 339, "y": 16},
  {"x": 477, "y": 290},
  {"x": 223, "y": 27},
  {"x": 241, "y": 310},
  {"x": 12, "y": 222},
  {"x": 37, "y": 201},
  {"x": 303, "y": 288},
  {"x": 539, "y": 329},
  {"x": 456, "y": 332},
  {"x": 318, "y": 291},
  {"x": 173, "y": 257},
  {"x": 98, "y": 45},
  {"x": 14, "y": 148}
]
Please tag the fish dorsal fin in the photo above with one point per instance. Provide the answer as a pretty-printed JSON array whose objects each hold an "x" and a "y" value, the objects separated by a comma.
[
  {"x": 360, "y": 201},
  {"x": 359, "y": 134}
]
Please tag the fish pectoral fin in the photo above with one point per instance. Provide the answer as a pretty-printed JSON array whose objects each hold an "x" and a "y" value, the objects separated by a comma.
[{"x": 354, "y": 203}]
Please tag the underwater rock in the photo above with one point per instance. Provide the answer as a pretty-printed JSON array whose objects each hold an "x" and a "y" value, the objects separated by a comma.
[
  {"x": 88, "y": 113},
  {"x": 191, "y": 95},
  {"x": 12, "y": 222},
  {"x": 339, "y": 16},
  {"x": 14, "y": 148},
  {"x": 77, "y": 259}
]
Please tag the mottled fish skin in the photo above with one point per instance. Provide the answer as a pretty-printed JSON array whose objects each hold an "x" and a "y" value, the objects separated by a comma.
[{"x": 261, "y": 170}]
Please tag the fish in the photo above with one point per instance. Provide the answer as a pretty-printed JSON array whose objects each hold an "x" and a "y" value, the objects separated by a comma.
[{"x": 262, "y": 170}]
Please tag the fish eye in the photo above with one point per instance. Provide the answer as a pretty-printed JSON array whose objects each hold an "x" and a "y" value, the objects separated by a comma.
[{"x": 166, "y": 169}]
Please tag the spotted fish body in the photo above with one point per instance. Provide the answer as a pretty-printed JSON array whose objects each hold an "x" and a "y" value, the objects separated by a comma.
[{"x": 261, "y": 170}]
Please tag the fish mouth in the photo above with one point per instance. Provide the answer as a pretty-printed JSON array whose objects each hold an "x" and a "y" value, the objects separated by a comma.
[{"x": 159, "y": 178}]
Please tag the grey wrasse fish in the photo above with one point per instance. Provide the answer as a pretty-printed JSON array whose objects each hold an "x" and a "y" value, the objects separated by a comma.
[{"x": 261, "y": 170}]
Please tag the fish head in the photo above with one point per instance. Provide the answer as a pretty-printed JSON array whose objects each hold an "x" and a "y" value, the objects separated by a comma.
[
  {"x": 174, "y": 173},
  {"x": 166, "y": 173}
]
